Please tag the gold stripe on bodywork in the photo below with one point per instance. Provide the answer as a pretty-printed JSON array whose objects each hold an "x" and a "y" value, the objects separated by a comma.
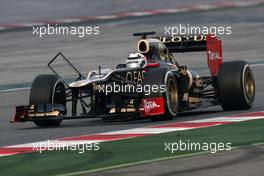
[
  {"x": 42, "y": 114},
  {"x": 123, "y": 110},
  {"x": 194, "y": 99}
]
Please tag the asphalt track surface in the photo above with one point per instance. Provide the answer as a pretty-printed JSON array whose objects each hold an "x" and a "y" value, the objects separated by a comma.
[
  {"x": 23, "y": 56},
  {"x": 17, "y": 11},
  {"x": 231, "y": 163}
]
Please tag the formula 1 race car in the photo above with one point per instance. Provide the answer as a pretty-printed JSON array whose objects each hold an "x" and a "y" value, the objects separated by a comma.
[{"x": 150, "y": 84}]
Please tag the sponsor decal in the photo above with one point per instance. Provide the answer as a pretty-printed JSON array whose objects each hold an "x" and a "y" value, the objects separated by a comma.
[
  {"x": 153, "y": 106},
  {"x": 213, "y": 55},
  {"x": 177, "y": 39},
  {"x": 135, "y": 76}
]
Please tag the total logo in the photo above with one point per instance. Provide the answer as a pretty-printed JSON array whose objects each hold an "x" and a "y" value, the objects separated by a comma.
[
  {"x": 213, "y": 55},
  {"x": 149, "y": 105}
]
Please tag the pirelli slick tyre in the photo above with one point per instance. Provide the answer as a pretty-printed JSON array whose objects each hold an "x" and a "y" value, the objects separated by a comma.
[
  {"x": 171, "y": 98},
  {"x": 47, "y": 89},
  {"x": 236, "y": 86}
]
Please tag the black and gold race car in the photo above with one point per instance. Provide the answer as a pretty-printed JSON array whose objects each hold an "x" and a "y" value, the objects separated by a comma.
[{"x": 150, "y": 84}]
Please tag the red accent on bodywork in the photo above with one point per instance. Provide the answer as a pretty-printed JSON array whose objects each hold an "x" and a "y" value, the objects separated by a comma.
[
  {"x": 153, "y": 106},
  {"x": 156, "y": 64},
  {"x": 19, "y": 112},
  {"x": 214, "y": 54}
]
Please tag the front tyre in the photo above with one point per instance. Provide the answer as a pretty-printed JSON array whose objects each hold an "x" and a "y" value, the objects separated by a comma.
[
  {"x": 236, "y": 86},
  {"x": 171, "y": 98},
  {"x": 47, "y": 89}
]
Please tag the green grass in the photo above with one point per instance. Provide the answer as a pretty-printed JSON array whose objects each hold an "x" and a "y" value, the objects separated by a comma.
[{"x": 128, "y": 151}]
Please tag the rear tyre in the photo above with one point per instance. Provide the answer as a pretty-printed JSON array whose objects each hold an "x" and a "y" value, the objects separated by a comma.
[
  {"x": 236, "y": 86},
  {"x": 47, "y": 89},
  {"x": 171, "y": 98}
]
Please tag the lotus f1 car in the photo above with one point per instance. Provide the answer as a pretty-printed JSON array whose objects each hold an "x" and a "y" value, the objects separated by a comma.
[{"x": 174, "y": 88}]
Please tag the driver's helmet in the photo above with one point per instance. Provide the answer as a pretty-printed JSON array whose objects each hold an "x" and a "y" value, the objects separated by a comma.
[{"x": 136, "y": 60}]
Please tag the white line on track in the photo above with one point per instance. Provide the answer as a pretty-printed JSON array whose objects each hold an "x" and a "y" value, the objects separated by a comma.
[
  {"x": 257, "y": 65},
  {"x": 14, "y": 89}
]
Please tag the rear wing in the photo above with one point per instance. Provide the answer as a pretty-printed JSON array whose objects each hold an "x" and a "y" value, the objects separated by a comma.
[{"x": 194, "y": 43}]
